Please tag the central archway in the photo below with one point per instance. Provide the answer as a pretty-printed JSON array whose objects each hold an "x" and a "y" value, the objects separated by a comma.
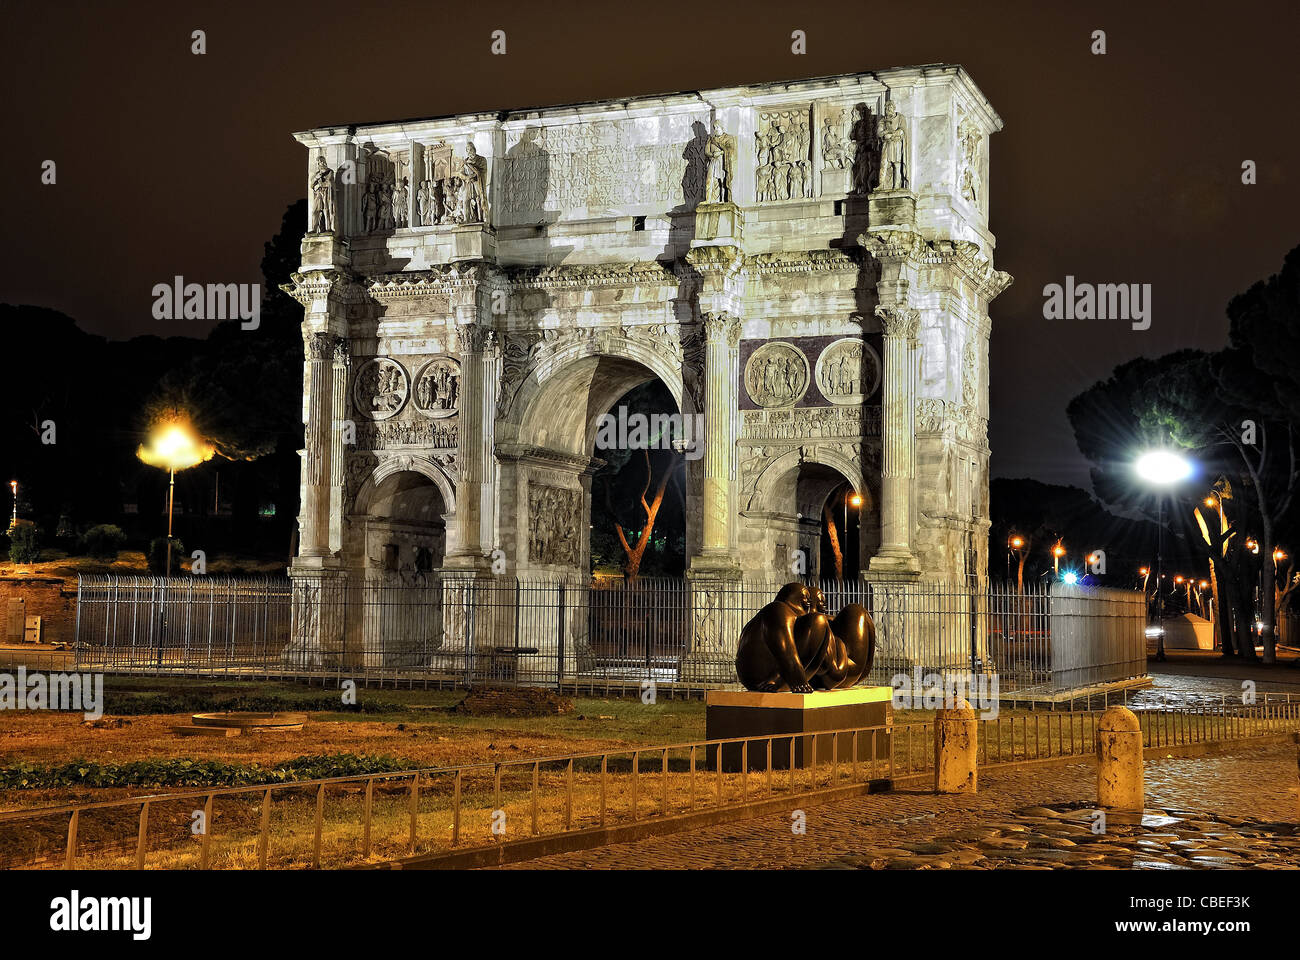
[
  {"x": 795, "y": 521},
  {"x": 547, "y": 449}
]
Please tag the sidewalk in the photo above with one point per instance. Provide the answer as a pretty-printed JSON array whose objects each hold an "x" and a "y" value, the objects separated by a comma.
[{"x": 1238, "y": 810}]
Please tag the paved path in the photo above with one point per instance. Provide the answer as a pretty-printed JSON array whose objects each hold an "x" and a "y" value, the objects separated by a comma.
[{"x": 1235, "y": 810}]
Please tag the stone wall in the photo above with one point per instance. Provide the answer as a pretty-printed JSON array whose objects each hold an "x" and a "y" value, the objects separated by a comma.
[{"x": 52, "y": 599}]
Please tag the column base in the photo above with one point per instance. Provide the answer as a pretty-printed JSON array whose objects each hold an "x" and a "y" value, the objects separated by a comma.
[
  {"x": 893, "y": 566},
  {"x": 713, "y": 566},
  {"x": 462, "y": 563},
  {"x": 707, "y": 666}
]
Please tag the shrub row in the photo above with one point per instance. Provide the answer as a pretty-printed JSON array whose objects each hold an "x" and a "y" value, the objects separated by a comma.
[{"x": 193, "y": 773}]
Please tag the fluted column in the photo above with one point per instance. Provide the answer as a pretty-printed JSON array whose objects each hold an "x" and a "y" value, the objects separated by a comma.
[
  {"x": 898, "y": 433},
  {"x": 337, "y": 449},
  {"x": 721, "y": 363},
  {"x": 314, "y": 517},
  {"x": 474, "y": 447}
]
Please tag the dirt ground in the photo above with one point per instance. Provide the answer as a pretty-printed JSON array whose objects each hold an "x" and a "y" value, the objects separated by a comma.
[{"x": 426, "y": 733}]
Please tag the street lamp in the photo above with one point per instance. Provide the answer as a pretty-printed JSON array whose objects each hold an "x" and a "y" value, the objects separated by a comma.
[
  {"x": 1161, "y": 468},
  {"x": 1058, "y": 552},
  {"x": 1014, "y": 543},
  {"x": 173, "y": 446},
  {"x": 13, "y": 485}
]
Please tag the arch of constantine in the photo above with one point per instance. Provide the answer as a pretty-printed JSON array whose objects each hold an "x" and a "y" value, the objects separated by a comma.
[{"x": 807, "y": 265}]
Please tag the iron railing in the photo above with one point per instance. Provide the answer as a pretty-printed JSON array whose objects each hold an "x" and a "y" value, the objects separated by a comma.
[
  {"x": 446, "y": 630},
  {"x": 386, "y": 816}
]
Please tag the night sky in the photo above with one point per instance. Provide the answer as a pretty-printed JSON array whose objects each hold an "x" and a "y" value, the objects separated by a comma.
[{"x": 1117, "y": 168}]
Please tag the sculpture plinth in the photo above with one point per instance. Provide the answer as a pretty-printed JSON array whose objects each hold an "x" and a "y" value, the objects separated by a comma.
[{"x": 799, "y": 725}]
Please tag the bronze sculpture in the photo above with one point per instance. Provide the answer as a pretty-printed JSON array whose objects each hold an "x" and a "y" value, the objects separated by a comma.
[{"x": 791, "y": 644}]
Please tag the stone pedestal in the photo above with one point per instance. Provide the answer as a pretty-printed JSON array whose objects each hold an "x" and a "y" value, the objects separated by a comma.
[
  {"x": 891, "y": 208},
  {"x": 472, "y": 241},
  {"x": 316, "y": 633},
  {"x": 325, "y": 251},
  {"x": 730, "y": 714},
  {"x": 717, "y": 616},
  {"x": 718, "y": 223}
]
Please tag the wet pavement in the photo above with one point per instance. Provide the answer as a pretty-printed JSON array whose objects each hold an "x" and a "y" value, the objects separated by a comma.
[{"x": 1221, "y": 812}]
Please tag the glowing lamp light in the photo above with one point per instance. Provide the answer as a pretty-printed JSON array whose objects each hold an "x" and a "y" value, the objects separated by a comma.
[
  {"x": 1070, "y": 578},
  {"x": 1203, "y": 584},
  {"x": 855, "y": 500},
  {"x": 1279, "y": 554},
  {"x": 1017, "y": 542},
  {"x": 1178, "y": 579},
  {"x": 1163, "y": 467},
  {"x": 1143, "y": 571},
  {"x": 173, "y": 446},
  {"x": 1211, "y": 502},
  {"x": 1058, "y": 551}
]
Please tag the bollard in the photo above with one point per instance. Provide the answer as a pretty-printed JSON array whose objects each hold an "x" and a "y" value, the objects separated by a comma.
[
  {"x": 1119, "y": 760},
  {"x": 955, "y": 748}
]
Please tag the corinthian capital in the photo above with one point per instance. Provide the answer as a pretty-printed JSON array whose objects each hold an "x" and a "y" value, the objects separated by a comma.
[
  {"x": 320, "y": 346},
  {"x": 898, "y": 321},
  {"x": 720, "y": 326},
  {"x": 474, "y": 337}
]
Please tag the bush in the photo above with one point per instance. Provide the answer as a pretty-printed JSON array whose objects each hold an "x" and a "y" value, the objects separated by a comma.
[
  {"x": 158, "y": 556},
  {"x": 24, "y": 543},
  {"x": 193, "y": 773},
  {"x": 102, "y": 542}
]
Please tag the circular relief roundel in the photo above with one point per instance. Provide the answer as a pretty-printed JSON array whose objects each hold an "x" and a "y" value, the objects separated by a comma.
[
  {"x": 437, "y": 388},
  {"x": 776, "y": 375},
  {"x": 381, "y": 388},
  {"x": 848, "y": 371}
]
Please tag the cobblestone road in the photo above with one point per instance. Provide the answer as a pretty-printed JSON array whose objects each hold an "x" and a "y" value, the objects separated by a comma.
[{"x": 1228, "y": 811}]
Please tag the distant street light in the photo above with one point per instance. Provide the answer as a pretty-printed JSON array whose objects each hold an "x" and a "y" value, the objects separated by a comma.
[
  {"x": 1161, "y": 468},
  {"x": 1014, "y": 544},
  {"x": 174, "y": 446},
  {"x": 13, "y": 485},
  {"x": 1058, "y": 552}
]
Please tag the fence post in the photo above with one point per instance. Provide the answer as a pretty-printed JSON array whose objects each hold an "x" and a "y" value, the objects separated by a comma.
[
  {"x": 1119, "y": 760},
  {"x": 559, "y": 646},
  {"x": 955, "y": 748}
]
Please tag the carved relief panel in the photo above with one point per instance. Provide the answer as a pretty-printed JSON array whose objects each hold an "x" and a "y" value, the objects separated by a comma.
[
  {"x": 848, "y": 371},
  {"x": 437, "y": 388},
  {"x": 383, "y": 192},
  {"x": 783, "y": 154},
  {"x": 970, "y": 140},
  {"x": 380, "y": 389},
  {"x": 452, "y": 186},
  {"x": 776, "y": 375},
  {"x": 554, "y": 514}
]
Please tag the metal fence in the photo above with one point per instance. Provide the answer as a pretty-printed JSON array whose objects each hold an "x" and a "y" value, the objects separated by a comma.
[
  {"x": 342, "y": 821},
  {"x": 448, "y": 630}
]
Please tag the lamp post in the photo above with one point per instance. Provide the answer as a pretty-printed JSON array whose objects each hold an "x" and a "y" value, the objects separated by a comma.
[
  {"x": 173, "y": 446},
  {"x": 852, "y": 499},
  {"x": 1058, "y": 552},
  {"x": 1161, "y": 468},
  {"x": 1014, "y": 545},
  {"x": 13, "y": 486}
]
